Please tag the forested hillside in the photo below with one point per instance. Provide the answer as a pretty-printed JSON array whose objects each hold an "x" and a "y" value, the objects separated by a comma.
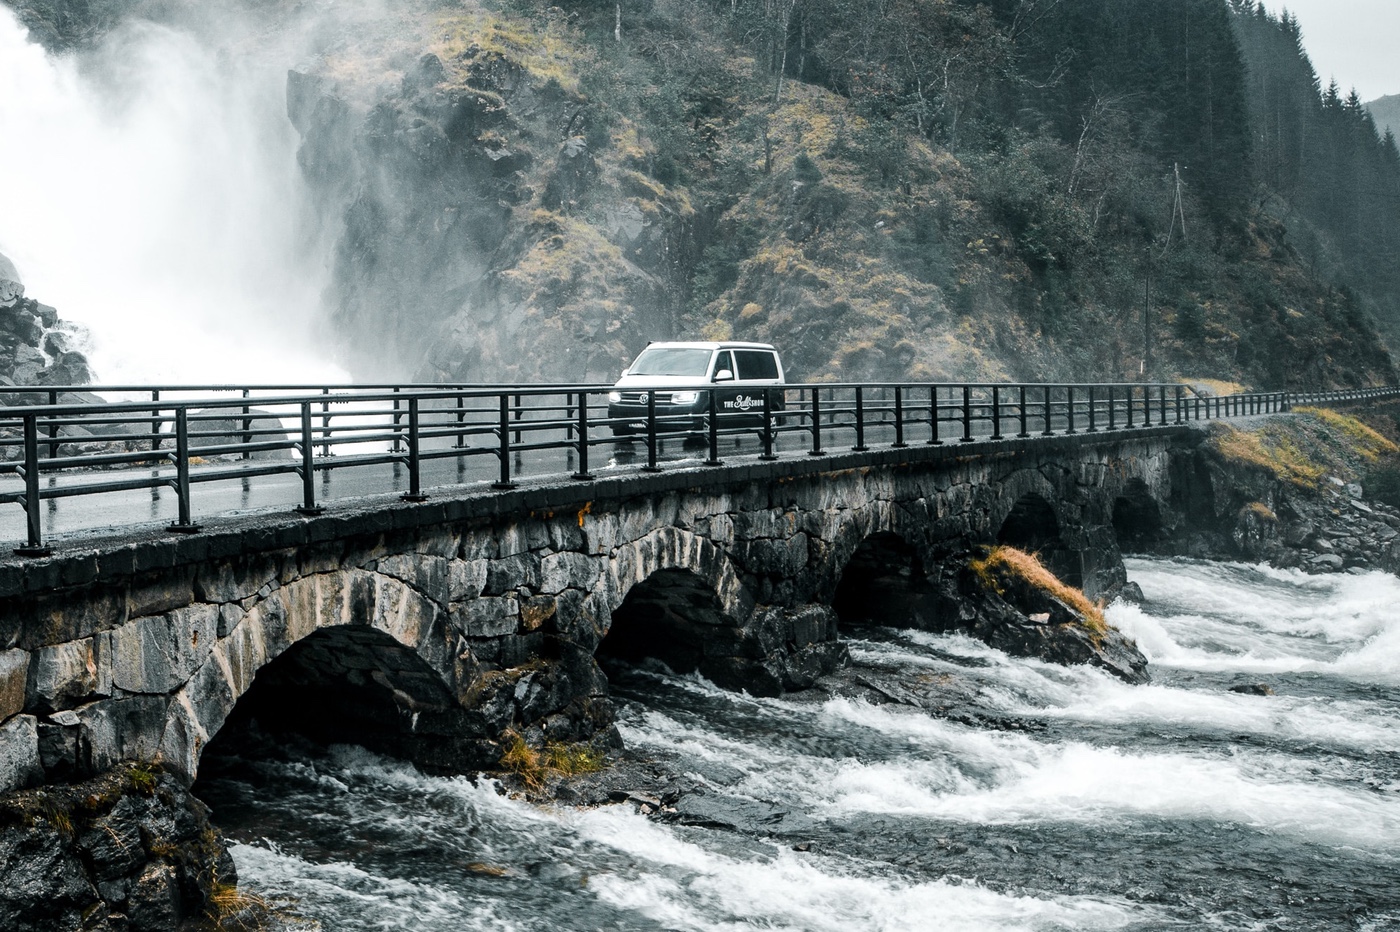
[{"x": 1064, "y": 189}]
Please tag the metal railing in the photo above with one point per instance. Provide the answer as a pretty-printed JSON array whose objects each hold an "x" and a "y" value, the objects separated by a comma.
[{"x": 179, "y": 437}]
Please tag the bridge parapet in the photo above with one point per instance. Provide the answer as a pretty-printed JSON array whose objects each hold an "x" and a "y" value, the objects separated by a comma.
[{"x": 289, "y": 443}]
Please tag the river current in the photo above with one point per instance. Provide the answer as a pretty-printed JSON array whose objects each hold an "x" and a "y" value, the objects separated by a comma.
[{"x": 1051, "y": 798}]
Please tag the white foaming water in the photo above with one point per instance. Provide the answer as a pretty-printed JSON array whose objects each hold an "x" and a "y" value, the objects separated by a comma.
[
  {"x": 150, "y": 192},
  {"x": 1253, "y": 619},
  {"x": 690, "y": 887},
  {"x": 959, "y": 773}
]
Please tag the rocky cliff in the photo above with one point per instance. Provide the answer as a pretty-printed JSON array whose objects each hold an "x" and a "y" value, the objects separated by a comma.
[{"x": 36, "y": 347}]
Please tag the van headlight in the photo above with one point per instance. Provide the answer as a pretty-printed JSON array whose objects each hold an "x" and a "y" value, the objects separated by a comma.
[
  {"x": 684, "y": 398},
  {"x": 614, "y": 397}
]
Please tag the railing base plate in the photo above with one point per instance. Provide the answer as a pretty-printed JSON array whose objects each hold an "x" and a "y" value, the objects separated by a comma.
[
  {"x": 33, "y": 551},
  {"x": 184, "y": 529},
  {"x": 309, "y": 512},
  {"x": 410, "y": 497}
]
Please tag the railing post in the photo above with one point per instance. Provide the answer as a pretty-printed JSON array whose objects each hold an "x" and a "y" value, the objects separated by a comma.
[
  {"x": 1049, "y": 425},
  {"x": 326, "y": 423},
  {"x": 1069, "y": 410},
  {"x": 767, "y": 453},
  {"x": 569, "y": 415},
  {"x": 714, "y": 459},
  {"x": 503, "y": 429},
  {"x": 967, "y": 414},
  {"x": 899, "y": 416},
  {"x": 581, "y": 438},
  {"x": 651, "y": 434},
  {"x": 860, "y": 446},
  {"x": 519, "y": 415},
  {"x": 996, "y": 412},
  {"x": 934, "y": 416},
  {"x": 53, "y": 427},
  {"x": 816, "y": 423},
  {"x": 415, "y": 479},
  {"x": 155, "y": 422},
  {"x": 183, "y": 524},
  {"x": 461, "y": 421},
  {"x": 35, "y": 547},
  {"x": 247, "y": 427},
  {"x": 1093, "y": 415},
  {"x": 398, "y": 418},
  {"x": 1129, "y": 407},
  {"x": 1021, "y": 414},
  {"x": 308, "y": 504}
]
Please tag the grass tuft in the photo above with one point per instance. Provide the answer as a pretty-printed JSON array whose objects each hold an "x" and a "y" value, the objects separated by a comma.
[
  {"x": 535, "y": 767},
  {"x": 1008, "y": 562}
]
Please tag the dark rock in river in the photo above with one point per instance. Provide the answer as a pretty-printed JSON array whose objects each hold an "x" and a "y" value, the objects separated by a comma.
[{"x": 130, "y": 849}]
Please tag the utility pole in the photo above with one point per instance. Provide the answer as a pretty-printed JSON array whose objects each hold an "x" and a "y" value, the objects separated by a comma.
[{"x": 1147, "y": 322}]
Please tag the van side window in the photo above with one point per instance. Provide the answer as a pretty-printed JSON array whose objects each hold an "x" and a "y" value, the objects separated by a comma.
[
  {"x": 756, "y": 364},
  {"x": 724, "y": 361}
]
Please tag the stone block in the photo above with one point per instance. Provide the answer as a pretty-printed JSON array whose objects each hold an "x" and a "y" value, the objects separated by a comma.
[
  {"x": 243, "y": 653},
  {"x": 233, "y": 580},
  {"x": 63, "y": 675},
  {"x": 58, "y": 617},
  {"x": 19, "y": 753},
  {"x": 160, "y": 593},
  {"x": 487, "y": 617},
  {"x": 230, "y": 614},
  {"x": 513, "y": 572},
  {"x": 600, "y": 532},
  {"x": 114, "y": 730},
  {"x": 14, "y": 681},
  {"x": 466, "y": 579},
  {"x": 565, "y": 533},
  {"x": 157, "y": 653},
  {"x": 428, "y": 574},
  {"x": 569, "y": 570}
]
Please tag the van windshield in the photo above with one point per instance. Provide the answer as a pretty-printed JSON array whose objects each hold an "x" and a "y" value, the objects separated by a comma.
[{"x": 672, "y": 361}]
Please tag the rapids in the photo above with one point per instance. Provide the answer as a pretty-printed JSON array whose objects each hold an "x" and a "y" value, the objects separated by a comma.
[{"x": 1092, "y": 805}]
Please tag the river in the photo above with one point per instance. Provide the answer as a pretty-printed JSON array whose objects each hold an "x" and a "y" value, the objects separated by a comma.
[{"x": 1049, "y": 798}]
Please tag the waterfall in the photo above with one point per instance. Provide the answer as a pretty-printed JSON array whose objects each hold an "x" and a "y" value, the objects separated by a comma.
[{"x": 149, "y": 190}]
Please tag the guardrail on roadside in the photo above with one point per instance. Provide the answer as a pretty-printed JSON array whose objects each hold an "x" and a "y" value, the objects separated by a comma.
[{"x": 191, "y": 434}]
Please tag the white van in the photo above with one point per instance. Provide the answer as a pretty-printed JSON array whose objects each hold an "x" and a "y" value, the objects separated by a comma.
[{"x": 679, "y": 374}]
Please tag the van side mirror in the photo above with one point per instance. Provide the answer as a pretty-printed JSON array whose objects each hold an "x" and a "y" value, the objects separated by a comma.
[{"x": 724, "y": 375}]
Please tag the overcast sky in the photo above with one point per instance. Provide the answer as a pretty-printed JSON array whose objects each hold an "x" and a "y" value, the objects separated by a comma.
[{"x": 1355, "y": 41}]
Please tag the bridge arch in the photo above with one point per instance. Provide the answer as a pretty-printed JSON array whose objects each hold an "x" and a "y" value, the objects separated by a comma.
[
  {"x": 1136, "y": 517},
  {"x": 355, "y": 628},
  {"x": 1032, "y": 524},
  {"x": 673, "y": 596},
  {"x": 886, "y": 582}
]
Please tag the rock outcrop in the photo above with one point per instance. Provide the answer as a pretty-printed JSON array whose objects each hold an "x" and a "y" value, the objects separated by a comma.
[
  {"x": 36, "y": 347},
  {"x": 130, "y": 849}
]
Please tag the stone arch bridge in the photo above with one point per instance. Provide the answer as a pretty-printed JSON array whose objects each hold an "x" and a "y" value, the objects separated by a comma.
[{"x": 427, "y": 629}]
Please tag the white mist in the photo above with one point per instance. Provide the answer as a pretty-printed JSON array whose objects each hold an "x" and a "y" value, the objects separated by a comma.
[{"x": 149, "y": 191}]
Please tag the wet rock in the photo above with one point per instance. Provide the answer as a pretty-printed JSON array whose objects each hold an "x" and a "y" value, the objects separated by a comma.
[
  {"x": 1326, "y": 562},
  {"x": 125, "y": 850},
  {"x": 739, "y": 814},
  {"x": 1132, "y": 593},
  {"x": 1253, "y": 689}
]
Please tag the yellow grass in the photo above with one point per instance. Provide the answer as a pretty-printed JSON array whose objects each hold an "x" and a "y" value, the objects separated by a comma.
[
  {"x": 1010, "y": 562},
  {"x": 1370, "y": 444},
  {"x": 535, "y": 767},
  {"x": 1268, "y": 449}
]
